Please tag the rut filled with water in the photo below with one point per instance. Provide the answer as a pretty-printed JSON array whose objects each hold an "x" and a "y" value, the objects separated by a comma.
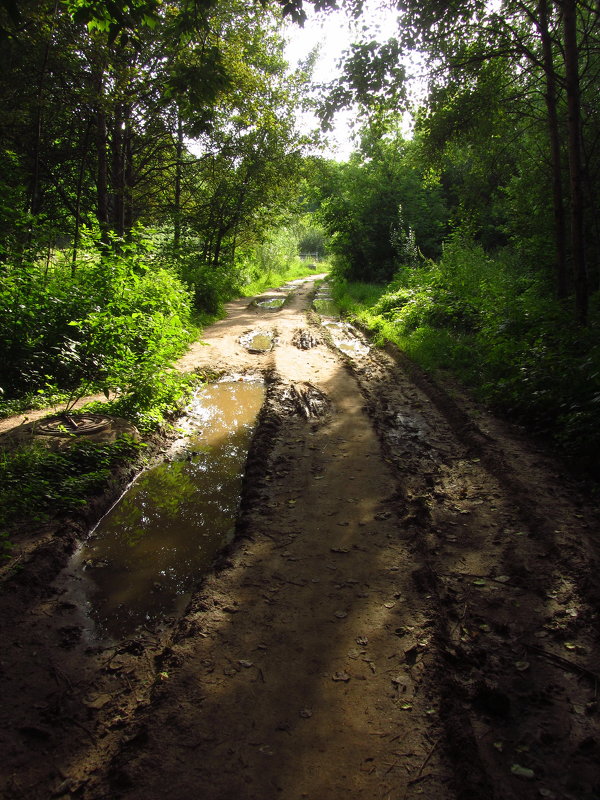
[{"x": 143, "y": 559}]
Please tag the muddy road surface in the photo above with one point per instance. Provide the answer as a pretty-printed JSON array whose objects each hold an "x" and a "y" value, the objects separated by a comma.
[{"x": 409, "y": 609}]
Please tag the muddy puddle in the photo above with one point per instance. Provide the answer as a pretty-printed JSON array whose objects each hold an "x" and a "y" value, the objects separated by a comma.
[
  {"x": 343, "y": 335},
  {"x": 141, "y": 562},
  {"x": 324, "y": 303},
  {"x": 257, "y": 341},
  {"x": 346, "y": 338},
  {"x": 270, "y": 303}
]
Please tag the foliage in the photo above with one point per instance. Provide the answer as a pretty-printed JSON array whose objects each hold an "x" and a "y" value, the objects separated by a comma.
[
  {"x": 36, "y": 482},
  {"x": 152, "y": 401},
  {"x": 380, "y": 209},
  {"x": 277, "y": 257},
  {"x": 112, "y": 322},
  {"x": 491, "y": 324}
]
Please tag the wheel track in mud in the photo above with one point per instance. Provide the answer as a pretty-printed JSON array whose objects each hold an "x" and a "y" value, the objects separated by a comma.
[
  {"x": 472, "y": 700},
  {"x": 484, "y": 691},
  {"x": 444, "y": 509}
]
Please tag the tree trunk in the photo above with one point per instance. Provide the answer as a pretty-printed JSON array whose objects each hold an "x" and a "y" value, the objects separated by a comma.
[
  {"x": 575, "y": 157},
  {"x": 118, "y": 174},
  {"x": 128, "y": 172},
  {"x": 102, "y": 206},
  {"x": 178, "y": 170},
  {"x": 78, "y": 197},
  {"x": 560, "y": 233},
  {"x": 34, "y": 200}
]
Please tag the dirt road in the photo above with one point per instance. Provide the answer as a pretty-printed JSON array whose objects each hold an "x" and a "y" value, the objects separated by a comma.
[{"x": 410, "y": 610}]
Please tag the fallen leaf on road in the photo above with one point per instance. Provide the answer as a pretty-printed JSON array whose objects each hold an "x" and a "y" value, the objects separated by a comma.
[{"x": 522, "y": 772}]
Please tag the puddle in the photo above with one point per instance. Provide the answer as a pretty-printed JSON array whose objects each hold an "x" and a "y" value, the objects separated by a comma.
[
  {"x": 346, "y": 338},
  {"x": 270, "y": 303},
  {"x": 257, "y": 341},
  {"x": 324, "y": 304},
  {"x": 143, "y": 559},
  {"x": 326, "y": 307}
]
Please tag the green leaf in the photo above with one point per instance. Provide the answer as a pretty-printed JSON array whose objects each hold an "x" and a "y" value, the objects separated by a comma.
[{"x": 522, "y": 772}]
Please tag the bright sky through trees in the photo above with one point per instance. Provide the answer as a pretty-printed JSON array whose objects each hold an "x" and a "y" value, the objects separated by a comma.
[{"x": 332, "y": 33}]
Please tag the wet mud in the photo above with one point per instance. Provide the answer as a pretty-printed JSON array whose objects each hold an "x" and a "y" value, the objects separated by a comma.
[{"x": 408, "y": 609}]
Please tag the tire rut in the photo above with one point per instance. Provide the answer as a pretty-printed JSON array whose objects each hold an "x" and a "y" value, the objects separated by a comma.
[{"x": 409, "y": 607}]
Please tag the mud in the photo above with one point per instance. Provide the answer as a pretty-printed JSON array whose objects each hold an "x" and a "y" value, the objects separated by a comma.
[{"x": 409, "y": 609}]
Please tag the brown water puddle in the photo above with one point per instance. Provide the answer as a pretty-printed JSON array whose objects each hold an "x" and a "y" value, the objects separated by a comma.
[
  {"x": 270, "y": 303},
  {"x": 343, "y": 335},
  {"x": 324, "y": 304},
  {"x": 143, "y": 559},
  {"x": 346, "y": 338},
  {"x": 257, "y": 341}
]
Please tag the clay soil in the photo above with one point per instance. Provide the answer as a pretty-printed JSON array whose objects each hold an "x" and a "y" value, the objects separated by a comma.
[{"x": 409, "y": 609}]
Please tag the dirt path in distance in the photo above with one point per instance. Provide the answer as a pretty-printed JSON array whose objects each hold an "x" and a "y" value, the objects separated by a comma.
[{"x": 410, "y": 610}]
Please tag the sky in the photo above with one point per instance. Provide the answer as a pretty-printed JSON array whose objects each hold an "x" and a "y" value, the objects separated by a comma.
[{"x": 332, "y": 32}]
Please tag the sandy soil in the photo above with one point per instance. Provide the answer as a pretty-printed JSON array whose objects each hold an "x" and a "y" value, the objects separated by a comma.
[{"x": 410, "y": 609}]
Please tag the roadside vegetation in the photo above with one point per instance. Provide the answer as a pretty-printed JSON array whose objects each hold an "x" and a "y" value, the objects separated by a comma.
[
  {"x": 464, "y": 287},
  {"x": 469, "y": 289},
  {"x": 517, "y": 349},
  {"x": 140, "y": 192}
]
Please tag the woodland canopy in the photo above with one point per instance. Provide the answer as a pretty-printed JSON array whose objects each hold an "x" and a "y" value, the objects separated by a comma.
[{"x": 151, "y": 166}]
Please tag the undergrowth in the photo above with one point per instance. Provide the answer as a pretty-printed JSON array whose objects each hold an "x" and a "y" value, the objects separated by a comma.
[
  {"x": 491, "y": 324},
  {"x": 37, "y": 483}
]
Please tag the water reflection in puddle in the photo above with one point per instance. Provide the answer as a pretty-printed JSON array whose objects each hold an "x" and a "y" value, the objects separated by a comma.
[
  {"x": 271, "y": 303},
  {"x": 326, "y": 307},
  {"x": 324, "y": 304},
  {"x": 146, "y": 554},
  {"x": 346, "y": 338}
]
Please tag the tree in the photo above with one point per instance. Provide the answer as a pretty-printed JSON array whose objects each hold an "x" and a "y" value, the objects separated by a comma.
[{"x": 375, "y": 203}]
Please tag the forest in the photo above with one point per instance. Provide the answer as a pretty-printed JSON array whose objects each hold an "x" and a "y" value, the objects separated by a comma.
[
  {"x": 299, "y": 450},
  {"x": 152, "y": 168}
]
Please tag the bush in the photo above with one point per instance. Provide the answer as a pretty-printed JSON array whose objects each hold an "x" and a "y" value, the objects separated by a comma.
[
  {"x": 493, "y": 324},
  {"x": 107, "y": 322}
]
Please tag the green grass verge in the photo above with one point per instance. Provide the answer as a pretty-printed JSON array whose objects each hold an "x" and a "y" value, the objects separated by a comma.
[
  {"x": 527, "y": 359},
  {"x": 272, "y": 280}
]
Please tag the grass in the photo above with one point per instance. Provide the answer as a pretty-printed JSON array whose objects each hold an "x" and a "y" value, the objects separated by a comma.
[
  {"x": 36, "y": 483},
  {"x": 526, "y": 359},
  {"x": 271, "y": 280}
]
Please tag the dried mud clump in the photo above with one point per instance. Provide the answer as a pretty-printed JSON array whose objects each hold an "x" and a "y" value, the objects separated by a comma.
[
  {"x": 304, "y": 400},
  {"x": 304, "y": 339}
]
